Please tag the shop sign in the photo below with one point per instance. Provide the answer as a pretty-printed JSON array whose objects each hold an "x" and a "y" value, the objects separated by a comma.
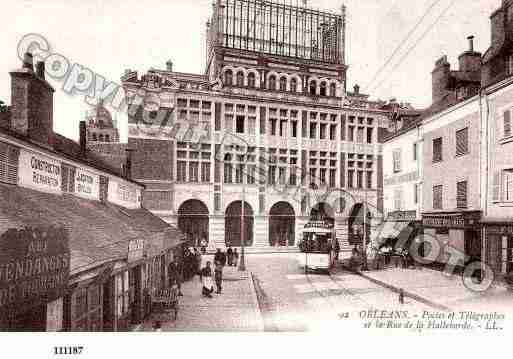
[
  {"x": 39, "y": 172},
  {"x": 408, "y": 216},
  {"x": 34, "y": 267},
  {"x": 135, "y": 250},
  {"x": 87, "y": 185},
  {"x": 504, "y": 230},
  {"x": 408, "y": 177},
  {"x": 319, "y": 224},
  {"x": 460, "y": 221}
]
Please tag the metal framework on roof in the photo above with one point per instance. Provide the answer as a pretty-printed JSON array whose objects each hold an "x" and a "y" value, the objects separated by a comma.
[{"x": 278, "y": 29}]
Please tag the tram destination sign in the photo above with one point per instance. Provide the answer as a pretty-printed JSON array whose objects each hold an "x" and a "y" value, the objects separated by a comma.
[{"x": 34, "y": 267}]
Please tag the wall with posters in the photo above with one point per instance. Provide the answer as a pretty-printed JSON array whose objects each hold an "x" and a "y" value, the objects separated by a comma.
[
  {"x": 124, "y": 194},
  {"x": 87, "y": 184},
  {"x": 39, "y": 172}
]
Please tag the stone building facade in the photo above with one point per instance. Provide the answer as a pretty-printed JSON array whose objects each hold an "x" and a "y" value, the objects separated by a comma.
[{"x": 278, "y": 130}]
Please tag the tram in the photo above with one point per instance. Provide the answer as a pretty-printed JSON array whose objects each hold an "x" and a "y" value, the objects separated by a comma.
[{"x": 317, "y": 249}]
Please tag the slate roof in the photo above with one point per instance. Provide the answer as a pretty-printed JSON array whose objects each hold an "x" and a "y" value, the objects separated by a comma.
[{"x": 99, "y": 233}]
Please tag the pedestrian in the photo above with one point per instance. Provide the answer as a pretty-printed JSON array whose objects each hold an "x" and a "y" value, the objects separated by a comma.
[
  {"x": 235, "y": 257},
  {"x": 337, "y": 249},
  {"x": 157, "y": 327},
  {"x": 218, "y": 276},
  {"x": 229, "y": 253},
  {"x": 206, "y": 281},
  {"x": 203, "y": 245},
  {"x": 197, "y": 261},
  {"x": 218, "y": 257},
  {"x": 175, "y": 276},
  {"x": 223, "y": 258}
]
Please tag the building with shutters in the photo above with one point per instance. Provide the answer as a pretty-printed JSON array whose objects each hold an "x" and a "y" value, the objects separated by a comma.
[
  {"x": 77, "y": 249},
  {"x": 274, "y": 88}
]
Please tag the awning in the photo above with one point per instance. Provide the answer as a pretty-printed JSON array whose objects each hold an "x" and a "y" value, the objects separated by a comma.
[
  {"x": 390, "y": 229},
  {"x": 99, "y": 233}
]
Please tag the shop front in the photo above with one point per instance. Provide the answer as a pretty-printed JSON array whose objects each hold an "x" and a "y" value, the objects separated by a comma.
[
  {"x": 459, "y": 230},
  {"x": 499, "y": 248},
  {"x": 34, "y": 271}
]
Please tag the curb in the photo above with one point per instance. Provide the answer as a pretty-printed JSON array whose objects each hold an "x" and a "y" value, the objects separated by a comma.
[{"x": 397, "y": 290}]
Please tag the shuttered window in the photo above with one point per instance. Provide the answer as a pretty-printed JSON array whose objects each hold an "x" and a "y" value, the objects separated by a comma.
[
  {"x": 461, "y": 194},
  {"x": 437, "y": 150},
  {"x": 496, "y": 187},
  {"x": 68, "y": 178},
  {"x": 397, "y": 160},
  {"x": 462, "y": 142},
  {"x": 507, "y": 124},
  {"x": 438, "y": 197},
  {"x": 9, "y": 156},
  {"x": 398, "y": 199}
]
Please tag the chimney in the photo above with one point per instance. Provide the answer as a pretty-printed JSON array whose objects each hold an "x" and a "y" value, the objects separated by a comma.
[
  {"x": 40, "y": 70},
  {"x": 440, "y": 78},
  {"x": 32, "y": 103},
  {"x": 83, "y": 138},
  {"x": 356, "y": 89},
  {"x": 470, "y": 61},
  {"x": 28, "y": 61},
  {"x": 128, "y": 165},
  {"x": 169, "y": 66}
]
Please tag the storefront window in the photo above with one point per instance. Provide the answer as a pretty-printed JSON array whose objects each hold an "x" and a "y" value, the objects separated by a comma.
[
  {"x": 87, "y": 309},
  {"x": 122, "y": 294}
]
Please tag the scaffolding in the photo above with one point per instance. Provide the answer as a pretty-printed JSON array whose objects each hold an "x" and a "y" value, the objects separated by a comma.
[{"x": 278, "y": 29}]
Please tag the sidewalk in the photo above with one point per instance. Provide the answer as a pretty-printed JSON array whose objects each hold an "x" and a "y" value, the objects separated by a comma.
[
  {"x": 440, "y": 290},
  {"x": 235, "y": 310}
]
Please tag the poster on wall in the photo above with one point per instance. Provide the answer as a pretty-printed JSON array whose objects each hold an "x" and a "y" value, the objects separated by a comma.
[
  {"x": 87, "y": 184},
  {"x": 39, "y": 172},
  {"x": 124, "y": 194}
]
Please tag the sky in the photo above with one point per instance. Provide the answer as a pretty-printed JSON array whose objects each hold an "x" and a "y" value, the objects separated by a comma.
[{"x": 391, "y": 47}]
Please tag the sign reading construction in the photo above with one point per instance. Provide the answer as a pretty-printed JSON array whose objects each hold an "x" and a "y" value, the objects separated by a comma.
[{"x": 34, "y": 267}]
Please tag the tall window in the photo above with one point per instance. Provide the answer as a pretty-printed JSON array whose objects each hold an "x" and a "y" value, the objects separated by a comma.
[
  {"x": 272, "y": 175},
  {"x": 461, "y": 195},
  {"x": 397, "y": 160},
  {"x": 294, "y": 128},
  {"x": 181, "y": 171},
  {"x": 437, "y": 149},
  {"x": 333, "y": 174},
  {"x": 333, "y": 90},
  {"x": 438, "y": 197},
  {"x": 398, "y": 199},
  {"x": 351, "y": 134},
  {"x": 462, "y": 142},
  {"x": 228, "y": 173},
  {"x": 240, "y": 124},
  {"x": 359, "y": 179},
  {"x": 350, "y": 179},
  {"x": 193, "y": 172},
  {"x": 205, "y": 172},
  {"x": 283, "y": 84},
  {"x": 416, "y": 192},
  {"x": 369, "y": 180},
  {"x": 507, "y": 124},
  {"x": 293, "y": 85},
  {"x": 240, "y": 79},
  {"x": 507, "y": 185},
  {"x": 313, "y": 88},
  {"x": 323, "y": 89},
  {"x": 369, "y": 134},
  {"x": 228, "y": 78},
  {"x": 251, "y": 80},
  {"x": 415, "y": 150},
  {"x": 272, "y": 82},
  {"x": 239, "y": 173}
]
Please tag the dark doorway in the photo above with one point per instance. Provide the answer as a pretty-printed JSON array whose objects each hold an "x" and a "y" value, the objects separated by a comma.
[
  {"x": 193, "y": 222},
  {"x": 282, "y": 225},
  {"x": 356, "y": 225},
  {"x": 108, "y": 306},
  {"x": 472, "y": 245},
  {"x": 135, "y": 284},
  {"x": 233, "y": 224}
]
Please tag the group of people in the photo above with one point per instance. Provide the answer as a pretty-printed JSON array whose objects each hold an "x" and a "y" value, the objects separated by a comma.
[{"x": 221, "y": 259}]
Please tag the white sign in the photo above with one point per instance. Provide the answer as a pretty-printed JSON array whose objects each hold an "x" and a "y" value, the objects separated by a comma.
[
  {"x": 39, "y": 172},
  {"x": 87, "y": 184},
  {"x": 124, "y": 194},
  {"x": 135, "y": 250}
]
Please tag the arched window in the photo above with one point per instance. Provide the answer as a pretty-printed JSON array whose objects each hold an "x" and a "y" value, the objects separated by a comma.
[
  {"x": 313, "y": 88},
  {"x": 95, "y": 138},
  {"x": 101, "y": 138},
  {"x": 323, "y": 89},
  {"x": 293, "y": 85},
  {"x": 283, "y": 84},
  {"x": 228, "y": 78},
  {"x": 272, "y": 82},
  {"x": 240, "y": 79},
  {"x": 333, "y": 90},
  {"x": 251, "y": 80},
  {"x": 107, "y": 138}
]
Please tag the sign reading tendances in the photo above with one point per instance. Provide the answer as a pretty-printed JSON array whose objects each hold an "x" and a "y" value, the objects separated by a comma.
[
  {"x": 34, "y": 267},
  {"x": 39, "y": 172}
]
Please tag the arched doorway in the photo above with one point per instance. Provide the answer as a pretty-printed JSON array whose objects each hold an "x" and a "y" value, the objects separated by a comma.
[
  {"x": 232, "y": 231},
  {"x": 193, "y": 221},
  {"x": 282, "y": 225},
  {"x": 356, "y": 225},
  {"x": 322, "y": 212}
]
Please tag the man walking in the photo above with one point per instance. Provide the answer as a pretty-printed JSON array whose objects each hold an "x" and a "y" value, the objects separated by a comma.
[
  {"x": 229, "y": 253},
  {"x": 218, "y": 276}
]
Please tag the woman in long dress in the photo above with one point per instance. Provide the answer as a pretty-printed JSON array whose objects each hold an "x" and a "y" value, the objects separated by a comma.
[{"x": 207, "y": 281}]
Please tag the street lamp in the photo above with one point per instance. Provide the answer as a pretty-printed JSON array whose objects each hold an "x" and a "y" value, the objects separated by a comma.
[{"x": 242, "y": 263}]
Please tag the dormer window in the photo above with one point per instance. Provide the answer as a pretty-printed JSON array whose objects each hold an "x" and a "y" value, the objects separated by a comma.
[
  {"x": 228, "y": 78},
  {"x": 251, "y": 80},
  {"x": 272, "y": 82},
  {"x": 240, "y": 79},
  {"x": 323, "y": 89},
  {"x": 283, "y": 84}
]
